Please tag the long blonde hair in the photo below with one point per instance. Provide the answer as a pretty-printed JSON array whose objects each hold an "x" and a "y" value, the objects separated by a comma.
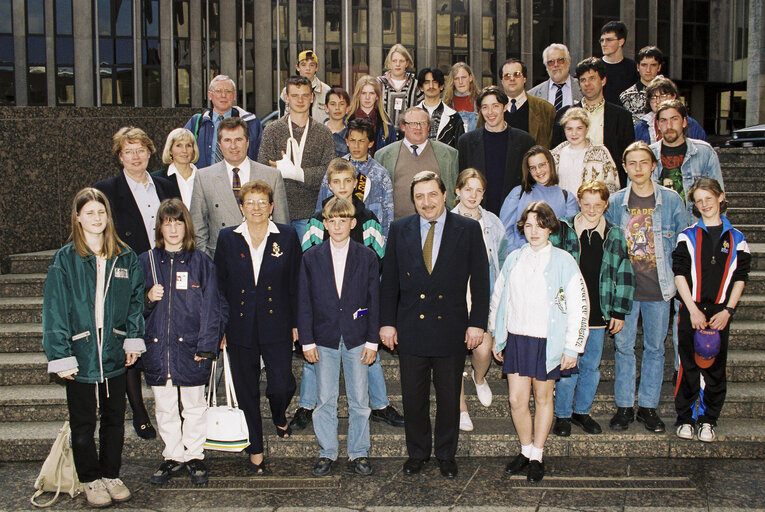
[
  {"x": 112, "y": 244},
  {"x": 356, "y": 100},
  {"x": 449, "y": 86}
]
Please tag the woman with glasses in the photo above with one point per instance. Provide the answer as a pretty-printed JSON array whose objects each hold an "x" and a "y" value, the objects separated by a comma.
[
  {"x": 540, "y": 183},
  {"x": 257, "y": 264},
  {"x": 134, "y": 196}
]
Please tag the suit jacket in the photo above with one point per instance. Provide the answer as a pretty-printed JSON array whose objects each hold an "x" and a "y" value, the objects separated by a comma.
[
  {"x": 430, "y": 311},
  {"x": 162, "y": 173},
  {"x": 127, "y": 217},
  {"x": 543, "y": 90},
  {"x": 447, "y": 162},
  {"x": 323, "y": 317},
  {"x": 213, "y": 206},
  {"x": 618, "y": 133},
  {"x": 541, "y": 118},
  {"x": 472, "y": 154},
  {"x": 265, "y": 313}
]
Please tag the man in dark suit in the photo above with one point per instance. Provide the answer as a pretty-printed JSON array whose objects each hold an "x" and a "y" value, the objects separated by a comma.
[
  {"x": 496, "y": 148},
  {"x": 429, "y": 259},
  {"x": 610, "y": 124}
]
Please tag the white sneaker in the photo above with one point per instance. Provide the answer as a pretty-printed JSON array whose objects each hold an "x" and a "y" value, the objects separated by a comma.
[
  {"x": 96, "y": 494},
  {"x": 685, "y": 431},
  {"x": 116, "y": 489},
  {"x": 706, "y": 433},
  {"x": 465, "y": 424},
  {"x": 483, "y": 390}
]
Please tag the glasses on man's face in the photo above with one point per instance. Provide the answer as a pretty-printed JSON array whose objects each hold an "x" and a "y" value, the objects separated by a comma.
[
  {"x": 252, "y": 204},
  {"x": 416, "y": 124},
  {"x": 559, "y": 61},
  {"x": 222, "y": 92},
  {"x": 514, "y": 75}
]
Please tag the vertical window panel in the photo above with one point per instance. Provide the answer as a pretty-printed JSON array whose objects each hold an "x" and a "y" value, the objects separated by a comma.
[{"x": 115, "y": 51}]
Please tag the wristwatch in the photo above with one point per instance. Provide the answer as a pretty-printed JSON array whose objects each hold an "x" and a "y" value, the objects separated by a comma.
[{"x": 731, "y": 311}]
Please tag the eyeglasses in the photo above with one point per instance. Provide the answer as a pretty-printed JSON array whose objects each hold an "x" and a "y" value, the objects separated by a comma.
[
  {"x": 134, "y": 152},
  {"x": 516, "y": 75},
  {"x": 607, "y": 40},
  {"x": 552, "y": 62},
  {"x": 536, "y": 169},
  {"x": 416, "y": 124},
  {"x": 660, "y": 97},
  {"x": 222, "y": 92},
  {"x": 252, "y": 204}
]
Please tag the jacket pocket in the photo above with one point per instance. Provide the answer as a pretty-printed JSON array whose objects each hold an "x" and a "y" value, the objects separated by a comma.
[{"x": 81, "y": 336}]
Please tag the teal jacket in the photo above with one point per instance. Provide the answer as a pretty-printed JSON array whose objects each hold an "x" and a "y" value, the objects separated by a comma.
[
  {"x": 616, "y": 285},
  {"x": 69, "y": 326}
]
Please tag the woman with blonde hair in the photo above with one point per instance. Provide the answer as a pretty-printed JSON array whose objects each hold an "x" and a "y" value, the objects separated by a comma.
[
  {"x": 367, "y": 104},
  {"x": 180, "y": 154},
  {"x": 460, "y": 93},
  {"x": 399, "y": 85},
  {"x": 93, "y": 329}
]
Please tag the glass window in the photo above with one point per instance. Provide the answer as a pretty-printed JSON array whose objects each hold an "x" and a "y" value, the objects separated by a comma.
[
  {"x": 664, "y": 31},
  {"x": 151, "y": 62},
  {"x": 115, "y": 48},
  {"x": 603, "y": 11},
  {"x": 695, "y": 40},
  {"x": 37, "y": 86},
  {"x": 548, "y": 28},
  {"x": 304, "y": 24},
  {"x": 6, "y": 17},
  {"x": 513, "y": 28},
  {"x": 641, "y": 26},
  {"x": 245, "y": 77},
  {"x": 181, "y": 52},
  {"x": 489, "y": 42},
  {"x": 360, "y": 46},
  {"x": 452, "y": 24},
  {"x": 7, "y": 90},
  {"x": 211, "y": 45},
  {"x": 333, "y": 61},
  {"x": 399, "y": 25},
  {"x": 64, "y": 48},
  {"x": 286, "y": 68}
]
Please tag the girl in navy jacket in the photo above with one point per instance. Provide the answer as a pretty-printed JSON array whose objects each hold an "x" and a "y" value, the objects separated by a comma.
[{"x": 183, "y": 331}]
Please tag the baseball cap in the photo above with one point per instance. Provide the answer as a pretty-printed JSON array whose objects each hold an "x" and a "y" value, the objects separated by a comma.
[
  {"x": 308, "y": 55},
  {"x": 706, "y": 345}
]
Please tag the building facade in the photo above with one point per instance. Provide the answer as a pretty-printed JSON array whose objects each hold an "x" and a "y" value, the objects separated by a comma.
[{"x": 162, "y": 53}]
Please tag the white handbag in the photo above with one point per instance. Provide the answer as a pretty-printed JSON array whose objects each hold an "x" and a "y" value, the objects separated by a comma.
[
  {"x": 58, "y": 472},
  {"x": 226, "y": 425}
]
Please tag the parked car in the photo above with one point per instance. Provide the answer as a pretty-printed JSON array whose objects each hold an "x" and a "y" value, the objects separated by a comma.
[{"x": 747, "y": 137}]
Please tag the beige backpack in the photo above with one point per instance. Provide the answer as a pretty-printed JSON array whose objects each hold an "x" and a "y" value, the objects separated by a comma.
[{"x": 58, "y": 472}]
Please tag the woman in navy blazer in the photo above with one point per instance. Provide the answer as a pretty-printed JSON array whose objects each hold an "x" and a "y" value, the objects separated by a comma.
[{"x": 258, "y": 264}]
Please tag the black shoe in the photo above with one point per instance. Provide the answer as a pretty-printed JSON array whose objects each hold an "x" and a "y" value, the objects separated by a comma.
[
  {"x": 622, "y": 419},
  {"x": 145, "y": 430},
  {"x": 388, "y": 415},
  {"x": 448, "y": 468},
  {"x": 536, "y": 471},
  {"x": 322, "y": 466},
  {"x": 301, "y": 419},
  {"x": 167, "y": 470},
  {"x": 197, "y": 471},
  {"x": 361, "y": 466},
  {"x": 648, "y": 417},
  {"x": 413, "y": 466},
  {"x": 517, "y": 465},
  {"x": 562, "y": 427},
  {"x": 586, "y": 423}
]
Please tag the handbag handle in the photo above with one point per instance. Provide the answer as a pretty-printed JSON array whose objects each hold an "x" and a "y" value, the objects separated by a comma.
[
  {"x": 230, "y": 392},
  {"x": 212, "y": 400}
]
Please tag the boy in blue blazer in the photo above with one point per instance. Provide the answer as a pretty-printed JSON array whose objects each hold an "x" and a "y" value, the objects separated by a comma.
[{"x": 338, "y": 322}]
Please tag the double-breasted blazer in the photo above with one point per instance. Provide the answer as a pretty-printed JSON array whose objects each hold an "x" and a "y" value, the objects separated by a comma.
[
  {"x": 265, "y": 313},
  {"x": 430, "y": 311},
  {"x": 127, "y": 217},
  {"x": 213, "y": 206}
]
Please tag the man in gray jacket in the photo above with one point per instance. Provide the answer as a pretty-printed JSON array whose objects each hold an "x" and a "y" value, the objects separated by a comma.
[{"x": 561, "y": 89}]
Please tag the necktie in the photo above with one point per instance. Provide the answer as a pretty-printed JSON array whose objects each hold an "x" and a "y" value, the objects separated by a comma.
[
  {"x": 236, "y": 184},
  {"x": 427, "y": 248},
  {"x": 414, "y": 150},
  {"x": 218, "y": 154},
  {"x": 513, "y": 108},
  {"x": 559, "y": 96}
]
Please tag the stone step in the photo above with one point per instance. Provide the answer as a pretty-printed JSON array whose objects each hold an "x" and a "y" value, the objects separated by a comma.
[
  {"x": 747, "y": 215},
  {"x": 21, "y": 337},
  {"x": 22, "y": 285},
  {"x": 745, "y": 199},
  {"x": 31, "y": 262},
  {"x": 736, "y": 438},
  {"x": 20, "y": 309},
  {"x": 751, "y": 307},
  {"x": 754, "y": 233},
  {"x": 740, "y": 155},
  {"x": 756, "y": 283},
  {"x": 758, "y": 255}
]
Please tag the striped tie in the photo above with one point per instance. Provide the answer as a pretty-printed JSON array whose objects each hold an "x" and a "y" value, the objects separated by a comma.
[
  {"x": 218, "y": 155},
  {"x": 559, "y": 96},
  {"x": 236, "y": 184}
]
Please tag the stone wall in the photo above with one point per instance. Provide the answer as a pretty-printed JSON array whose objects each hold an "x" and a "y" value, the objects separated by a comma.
[{"x": 48, "y": 154}]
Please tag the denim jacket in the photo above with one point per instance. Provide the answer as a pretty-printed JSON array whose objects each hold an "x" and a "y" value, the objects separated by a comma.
[
  {"x": 669, "y": 219},
  {"x": 700, "y": 162}
]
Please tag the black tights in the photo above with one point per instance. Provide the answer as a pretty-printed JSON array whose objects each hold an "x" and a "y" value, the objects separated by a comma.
[{"x": 135, "y": 396}]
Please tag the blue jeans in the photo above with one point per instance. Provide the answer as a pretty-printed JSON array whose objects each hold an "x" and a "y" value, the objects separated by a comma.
[
  {"x": 300, "y": 226},
  {"x": 325, "y": 414},
  {"x": 378, "y": 393},
  {"x": 655, "y": 322},
  {"x": 580, "y": 388}
]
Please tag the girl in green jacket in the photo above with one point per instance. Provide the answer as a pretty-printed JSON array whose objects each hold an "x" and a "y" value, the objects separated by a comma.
[{"x": 92, "y": 329}]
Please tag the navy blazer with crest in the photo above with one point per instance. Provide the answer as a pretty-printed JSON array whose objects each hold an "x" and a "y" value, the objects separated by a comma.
[
  {"x": 263, "y": 314},
  {"x": 430, "y": 311},
  {"x": 323, "y": 317},
  {"x": 127, "y": 217}
]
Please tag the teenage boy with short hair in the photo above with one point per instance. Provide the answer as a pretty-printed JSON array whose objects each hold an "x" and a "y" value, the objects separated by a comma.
[
  {"x": 634, "y": 99},
  {"x": 621, "y": 71},
  {"x": 336, "y": 104},
  {"x": 338, "y": 321}
]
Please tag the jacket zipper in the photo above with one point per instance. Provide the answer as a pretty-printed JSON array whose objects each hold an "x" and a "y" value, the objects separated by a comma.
[{"x": 169, "y": 302}]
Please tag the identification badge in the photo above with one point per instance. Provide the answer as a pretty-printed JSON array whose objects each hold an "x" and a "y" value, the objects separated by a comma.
[
  {"x": 121, "y": 273},
  {"x": 181, "y": 280},
  {"x": 360, "y": 312},
  {"x": 398, "y": 104}
]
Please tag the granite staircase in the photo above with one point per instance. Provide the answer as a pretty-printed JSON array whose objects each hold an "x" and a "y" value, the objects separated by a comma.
[{"x": 33, "y": 403}]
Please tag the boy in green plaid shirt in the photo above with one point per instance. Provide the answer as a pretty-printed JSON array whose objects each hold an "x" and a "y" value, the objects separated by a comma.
[{"x": 601, "y": 251}]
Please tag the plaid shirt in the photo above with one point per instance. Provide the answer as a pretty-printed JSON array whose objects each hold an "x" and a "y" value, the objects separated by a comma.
[{"x": 617, "y": 280}]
